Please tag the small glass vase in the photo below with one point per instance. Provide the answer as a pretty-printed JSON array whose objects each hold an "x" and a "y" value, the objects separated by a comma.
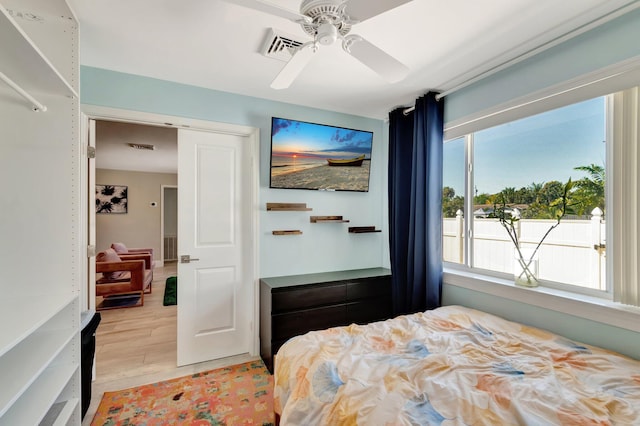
[{"x": 525, "y": 267}]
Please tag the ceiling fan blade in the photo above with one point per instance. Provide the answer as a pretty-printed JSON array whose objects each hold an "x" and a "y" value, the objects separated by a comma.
[
  {"x": 361, "y": 10},
  {"x": 301, "y": 57},
  {"x": 375, "y": 58},
  {"x": 273, "y": 9}
]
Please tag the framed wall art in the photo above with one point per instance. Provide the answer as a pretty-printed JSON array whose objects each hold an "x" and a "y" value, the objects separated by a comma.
[{"x": 111, "y": 199}]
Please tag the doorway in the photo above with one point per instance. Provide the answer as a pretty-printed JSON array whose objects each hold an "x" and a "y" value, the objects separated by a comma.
[
  {"x": 250, "y": 136},
  {"x": 143, "y": 159},
  {"x": 169, "y": 223}
]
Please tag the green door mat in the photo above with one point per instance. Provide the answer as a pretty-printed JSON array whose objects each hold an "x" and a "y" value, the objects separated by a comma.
[{"x": 171, "y": 292}]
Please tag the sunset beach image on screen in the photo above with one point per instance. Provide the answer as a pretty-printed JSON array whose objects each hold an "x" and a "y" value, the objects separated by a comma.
[{"x": 319, "y": 157}]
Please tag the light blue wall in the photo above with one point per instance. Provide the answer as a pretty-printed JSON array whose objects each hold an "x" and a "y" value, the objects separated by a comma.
[
  {"x": 604, "y": 46},
  {"x": 322, "y": 247}
]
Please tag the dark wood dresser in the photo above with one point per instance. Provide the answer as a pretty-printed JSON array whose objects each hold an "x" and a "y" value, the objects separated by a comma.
[{"x": 296, "y": 304}]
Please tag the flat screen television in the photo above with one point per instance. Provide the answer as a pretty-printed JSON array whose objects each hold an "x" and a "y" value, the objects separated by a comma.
[{"x": 319, "y": 157}]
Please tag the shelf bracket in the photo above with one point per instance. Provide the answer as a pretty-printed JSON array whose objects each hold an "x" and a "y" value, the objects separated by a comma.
[{"x": 37, "y": 106}]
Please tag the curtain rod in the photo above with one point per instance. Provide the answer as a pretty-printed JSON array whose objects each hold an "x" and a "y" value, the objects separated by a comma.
[
  {"x": 37, "y": 106},
  {"x": 561, "y": 39}
]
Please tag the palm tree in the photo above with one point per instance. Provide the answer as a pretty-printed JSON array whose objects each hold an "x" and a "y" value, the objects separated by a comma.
[
  {"x": 448, "y": 193},
  {"x": 508, "y": 194},
  {"x": 589, "y": 191},
  {"x": 534, "y": 190},
  {"x": 450, "y": 202}
]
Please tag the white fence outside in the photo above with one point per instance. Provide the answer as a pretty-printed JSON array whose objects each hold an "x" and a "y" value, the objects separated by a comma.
[{"x": 573, "y": 253}]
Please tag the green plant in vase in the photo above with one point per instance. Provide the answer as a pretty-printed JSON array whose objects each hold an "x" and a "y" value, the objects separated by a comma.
[{"x": 557, "y": 210}]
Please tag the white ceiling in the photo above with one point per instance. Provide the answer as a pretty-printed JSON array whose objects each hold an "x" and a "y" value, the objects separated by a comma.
[
  {"x": 214, "y": 44},
  {"x": 113, "y": 150}
]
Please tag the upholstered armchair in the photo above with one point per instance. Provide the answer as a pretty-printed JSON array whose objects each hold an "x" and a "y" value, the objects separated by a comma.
[
  {"x": 122, "y": 249},
  {"x": 126, "y": 253},
  {"x": 118, "y": 276}
]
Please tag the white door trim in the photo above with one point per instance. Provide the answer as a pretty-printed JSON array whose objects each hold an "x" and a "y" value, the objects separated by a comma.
[
  {"x": 251, "y": 133},
  {"x": 151, "y": 119},
  {"x": 91, "y": 213}
]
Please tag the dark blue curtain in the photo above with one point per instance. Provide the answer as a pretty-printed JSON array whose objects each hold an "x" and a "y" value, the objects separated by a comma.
[{"x": 415, "y": 205}]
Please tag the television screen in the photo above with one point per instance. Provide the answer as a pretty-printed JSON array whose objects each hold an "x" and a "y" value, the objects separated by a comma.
[{"x": 317, "y": 156}]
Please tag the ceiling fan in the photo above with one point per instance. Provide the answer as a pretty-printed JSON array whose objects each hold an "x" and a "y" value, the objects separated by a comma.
[{"x": 328, "y": 21}]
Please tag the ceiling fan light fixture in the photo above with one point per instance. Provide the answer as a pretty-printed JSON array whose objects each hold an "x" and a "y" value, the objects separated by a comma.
[
  {"x": 327, "y": 34},
  {"x": 327, "y": 21}
]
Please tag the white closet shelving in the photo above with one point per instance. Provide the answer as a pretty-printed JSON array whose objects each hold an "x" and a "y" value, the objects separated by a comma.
[
  {"x": 42, "y": 55},
  {"x": 40, "y": 226}
]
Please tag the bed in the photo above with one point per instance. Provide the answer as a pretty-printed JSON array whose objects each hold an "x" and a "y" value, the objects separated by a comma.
[{"x": 451, "y": 366}]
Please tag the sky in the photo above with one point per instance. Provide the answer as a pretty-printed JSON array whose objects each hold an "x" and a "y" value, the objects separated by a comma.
[
  {"x": 538, "y": 149},
  {"x": 316, "y": 140}
]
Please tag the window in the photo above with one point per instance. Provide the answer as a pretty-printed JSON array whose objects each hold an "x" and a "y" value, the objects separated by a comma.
[
  {"x": 453, "y": 192},
  {"x": 523, "y": 167}
]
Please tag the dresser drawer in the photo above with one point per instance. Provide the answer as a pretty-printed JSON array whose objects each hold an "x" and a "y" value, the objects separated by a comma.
[
  {"x": 377, "y": 287},
  {"x": 308, "y": 297},
  {"x": 369, "y": 310},
  {"x": 291, "y": 324}
]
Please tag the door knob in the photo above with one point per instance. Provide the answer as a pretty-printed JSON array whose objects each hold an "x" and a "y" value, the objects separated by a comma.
[{"x": 185, "y": 258}]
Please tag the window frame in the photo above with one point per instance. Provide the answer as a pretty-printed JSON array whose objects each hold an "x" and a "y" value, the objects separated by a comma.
[
  {"x": 600, "y": 307},
  {"x": 467, "y": 266},
  {"x": 609, "y": 79}
]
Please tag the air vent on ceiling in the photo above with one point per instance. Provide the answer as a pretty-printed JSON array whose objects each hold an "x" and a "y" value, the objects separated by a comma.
[
  {"x": 142, "y": 146},
  {"x": 278, "y": 45}
]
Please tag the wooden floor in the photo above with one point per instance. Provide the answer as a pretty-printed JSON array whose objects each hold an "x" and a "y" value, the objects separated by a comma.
[
  {"x": 135, "y": 341},
  {"x": 136, "y": 346}
]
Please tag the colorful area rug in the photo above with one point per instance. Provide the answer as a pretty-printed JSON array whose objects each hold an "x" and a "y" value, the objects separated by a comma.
[{"x": 237, "y": 395}]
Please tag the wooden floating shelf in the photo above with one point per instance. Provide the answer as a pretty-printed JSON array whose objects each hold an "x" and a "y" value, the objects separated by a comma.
[
  {"x": 288, "y": 207},
  {"x": 363, "y": 229},
  {"x": 287, "y": 232},
  {"x": 327, "y": 219}
]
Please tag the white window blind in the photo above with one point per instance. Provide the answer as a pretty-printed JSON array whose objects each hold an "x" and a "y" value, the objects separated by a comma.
[
  {"x": 607, "y": 80},
  {"x": 625, "y": 248}
]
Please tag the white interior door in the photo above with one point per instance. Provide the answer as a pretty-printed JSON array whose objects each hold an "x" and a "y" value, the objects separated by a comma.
[{"x": 216, "y": 296}]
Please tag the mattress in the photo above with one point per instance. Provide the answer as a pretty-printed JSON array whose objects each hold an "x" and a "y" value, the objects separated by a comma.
[{"x": 451, "y": 366}]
